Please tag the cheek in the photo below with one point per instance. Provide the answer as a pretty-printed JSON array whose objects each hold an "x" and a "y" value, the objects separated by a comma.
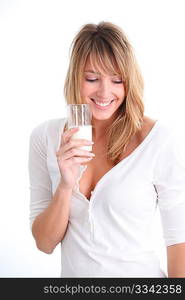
[
  {"x": 86, "y": 89},
  {"x": 120, "y": 92}
]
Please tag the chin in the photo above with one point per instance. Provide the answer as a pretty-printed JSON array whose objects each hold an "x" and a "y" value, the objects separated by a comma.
[{"x": 101, "y": 116}]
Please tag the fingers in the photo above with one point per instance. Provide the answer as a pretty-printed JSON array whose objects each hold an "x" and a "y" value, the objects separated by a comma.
[
  {"x": 76, "y": 160},
  {"x": 67, "y": 135},
  {"x": 74, "y": 152},
  {"x": 69, "y": 150},
  {"x": 74, "y": 143}
]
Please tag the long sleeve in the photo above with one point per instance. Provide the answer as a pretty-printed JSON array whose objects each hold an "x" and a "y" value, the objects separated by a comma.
[
  {"x": 169, "y": 182},
  {"x": 40, "y": 182}
]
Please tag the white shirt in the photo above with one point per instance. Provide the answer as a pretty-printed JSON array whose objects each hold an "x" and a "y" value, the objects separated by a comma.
[{"x": 109, "y": 236}]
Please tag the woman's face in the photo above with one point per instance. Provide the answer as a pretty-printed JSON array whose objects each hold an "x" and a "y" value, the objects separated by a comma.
[{"x": 104, "y": 92}]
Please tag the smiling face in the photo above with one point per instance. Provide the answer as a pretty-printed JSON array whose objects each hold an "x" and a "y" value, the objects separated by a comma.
[{"x": 103, "y": 91}]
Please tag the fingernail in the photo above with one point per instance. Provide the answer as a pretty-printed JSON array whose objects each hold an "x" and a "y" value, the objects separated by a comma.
[
  {"x": 74, "y": 128},
  {"x": 89, "y": 142}
]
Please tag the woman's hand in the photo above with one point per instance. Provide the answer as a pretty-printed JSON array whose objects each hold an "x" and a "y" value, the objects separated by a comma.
[{"x": 69, "y": 157}]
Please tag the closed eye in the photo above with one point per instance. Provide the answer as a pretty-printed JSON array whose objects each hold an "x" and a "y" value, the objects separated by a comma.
[
  {"x": 91, "y": 80},
  {"x": 118, "y": 81}
]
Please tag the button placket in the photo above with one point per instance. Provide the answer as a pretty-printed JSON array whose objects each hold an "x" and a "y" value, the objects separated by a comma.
[
  {"x": 90, "y": 220},
  {"x": 90, "y": 216}
]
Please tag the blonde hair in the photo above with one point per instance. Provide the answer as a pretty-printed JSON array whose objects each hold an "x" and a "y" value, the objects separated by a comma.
[{"x": 109, "y": 50}]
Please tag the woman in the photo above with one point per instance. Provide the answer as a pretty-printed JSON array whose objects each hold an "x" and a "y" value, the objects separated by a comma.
[{"x": 100, "y": 205}]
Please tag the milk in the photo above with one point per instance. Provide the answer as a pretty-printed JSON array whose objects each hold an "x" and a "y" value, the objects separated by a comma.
[{"x": 84, "y": 132}]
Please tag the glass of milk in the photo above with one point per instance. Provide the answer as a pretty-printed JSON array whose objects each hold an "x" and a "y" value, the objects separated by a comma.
[{"x": 79, "y": 115}]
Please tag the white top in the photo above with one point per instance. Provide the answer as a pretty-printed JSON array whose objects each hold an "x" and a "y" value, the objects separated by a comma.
[{"x": 109, "y": 236}]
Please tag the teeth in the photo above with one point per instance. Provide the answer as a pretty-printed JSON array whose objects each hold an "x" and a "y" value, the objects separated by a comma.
[{"x": 102, "y": 104}]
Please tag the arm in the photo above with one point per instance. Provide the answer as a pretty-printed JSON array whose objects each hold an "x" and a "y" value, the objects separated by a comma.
[
  {"x": 176, "y": 260},
  {"x": 170, "y": 187},
  {"x": 49, "y": 214},
  {"x": 50, "y": 226}
]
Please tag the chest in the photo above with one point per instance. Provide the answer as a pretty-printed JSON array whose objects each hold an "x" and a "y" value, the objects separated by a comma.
[
  {"x": 99, "y": 165},
  {"x": 97, "y": 168}
]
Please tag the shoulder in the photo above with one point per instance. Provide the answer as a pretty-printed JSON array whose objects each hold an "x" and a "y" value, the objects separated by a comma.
[
  {"x": 159, "y": 128},
  {"x": 48, "y": 127},
  {"x": 167, "y": 138},
  {"x": 147, "y": 126},
  {"x": 46, "y": 135}
]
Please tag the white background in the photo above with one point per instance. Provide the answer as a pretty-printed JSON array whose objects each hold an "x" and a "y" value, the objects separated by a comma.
[{"x": 35, "y": 38}]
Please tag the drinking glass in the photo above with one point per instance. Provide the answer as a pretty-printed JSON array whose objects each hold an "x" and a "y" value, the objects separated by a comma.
[{"x": 80, "y": 115}]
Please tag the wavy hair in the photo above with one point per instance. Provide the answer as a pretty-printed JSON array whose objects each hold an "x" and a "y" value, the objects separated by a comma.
[{"x": 109, "y": 50}]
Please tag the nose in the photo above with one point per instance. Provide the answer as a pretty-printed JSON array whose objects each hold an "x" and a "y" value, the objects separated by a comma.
[{"x": 104, "y": 90}]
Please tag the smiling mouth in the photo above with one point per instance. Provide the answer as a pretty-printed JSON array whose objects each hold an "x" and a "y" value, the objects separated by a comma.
[{"x": 102, "y": 104}]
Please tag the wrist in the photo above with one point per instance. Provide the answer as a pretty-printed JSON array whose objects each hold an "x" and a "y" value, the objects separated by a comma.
[{"x": 63, "y": 187}]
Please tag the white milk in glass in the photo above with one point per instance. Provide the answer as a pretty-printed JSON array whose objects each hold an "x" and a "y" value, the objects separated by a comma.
[
  {"x": 84, "y": 132},
  {"x": 80, "y": 115}
]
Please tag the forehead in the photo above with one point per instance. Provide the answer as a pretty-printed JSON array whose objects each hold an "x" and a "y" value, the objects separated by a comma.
[{"x": 98, "y": 66}]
